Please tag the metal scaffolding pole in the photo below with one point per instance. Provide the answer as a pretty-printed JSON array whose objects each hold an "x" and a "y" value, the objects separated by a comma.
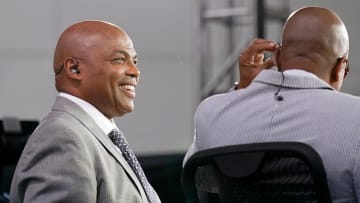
[{"x": 235, "y": 14}]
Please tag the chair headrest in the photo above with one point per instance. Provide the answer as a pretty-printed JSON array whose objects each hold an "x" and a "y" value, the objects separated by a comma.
[{"x": 11, "y": 125}]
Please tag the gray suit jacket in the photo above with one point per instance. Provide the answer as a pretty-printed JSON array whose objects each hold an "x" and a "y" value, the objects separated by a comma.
[
  {"x": 311, "y": 112},
  {"x": 69, "y": 159}
]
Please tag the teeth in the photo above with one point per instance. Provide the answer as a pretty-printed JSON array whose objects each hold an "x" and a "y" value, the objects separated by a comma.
[{"x": 128, "y": 87}]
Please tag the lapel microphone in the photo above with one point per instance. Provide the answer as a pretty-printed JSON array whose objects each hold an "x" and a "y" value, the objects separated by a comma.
[{"x": 276, "y": 95}]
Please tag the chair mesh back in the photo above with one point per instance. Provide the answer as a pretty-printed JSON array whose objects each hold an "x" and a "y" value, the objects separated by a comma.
[{"x": 278, "y": 180}]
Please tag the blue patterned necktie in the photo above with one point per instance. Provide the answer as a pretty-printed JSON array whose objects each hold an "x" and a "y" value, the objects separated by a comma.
[{"x": 119, "y": 140}]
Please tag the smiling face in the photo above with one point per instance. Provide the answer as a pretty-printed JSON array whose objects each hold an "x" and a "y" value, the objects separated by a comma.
[
  {"x": 106, "y": 62},
  {"x": 111, "y": 75}
]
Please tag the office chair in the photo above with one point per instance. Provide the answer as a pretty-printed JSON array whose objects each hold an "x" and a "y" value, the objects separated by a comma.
[
  {"x": 13, "y": 137},
  {"x": 260, "y": 172}
]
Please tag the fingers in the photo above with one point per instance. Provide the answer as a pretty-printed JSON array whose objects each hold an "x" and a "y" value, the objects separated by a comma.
[
  {"x": 259, "y": 58},
  {"x": 268, "y": 63},
  {"x": 255, "y": 52},
  {"x": 251, "y": 60},
  {"x": 261, "y": 45}
]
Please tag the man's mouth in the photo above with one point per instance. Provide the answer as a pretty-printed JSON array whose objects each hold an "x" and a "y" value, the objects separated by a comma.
[{"x": 129, "y": 89}]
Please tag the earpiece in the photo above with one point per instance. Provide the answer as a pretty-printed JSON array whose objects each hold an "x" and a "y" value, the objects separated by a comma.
[{"x": 74, "y": 69}]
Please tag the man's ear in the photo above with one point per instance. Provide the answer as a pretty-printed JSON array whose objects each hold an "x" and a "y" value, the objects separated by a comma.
[
  {"x": 347, "y": 67},
  {"x": 340, "y": 70},
  {"x": 277, "y": 58},
  {"x": 71, "y": 68}
]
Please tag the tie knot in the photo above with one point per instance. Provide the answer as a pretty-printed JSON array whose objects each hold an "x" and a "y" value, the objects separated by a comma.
[
  {"x": 118, "y": 138},
  {"x": 114, "y": 132}
]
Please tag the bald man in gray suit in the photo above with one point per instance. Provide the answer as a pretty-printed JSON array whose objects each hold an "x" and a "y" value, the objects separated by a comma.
[
  {"x": 70, "y": 156},
  {"x": 299, "y": 102}
]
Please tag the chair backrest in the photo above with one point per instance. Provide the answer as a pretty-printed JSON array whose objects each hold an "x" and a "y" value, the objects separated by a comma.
[
  {"x": 260, "y": 172},
  {"x": 14, "y": 134}
]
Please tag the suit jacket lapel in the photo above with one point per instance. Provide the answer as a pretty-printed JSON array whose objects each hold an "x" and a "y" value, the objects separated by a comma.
[{"x": 65, "y": 105}]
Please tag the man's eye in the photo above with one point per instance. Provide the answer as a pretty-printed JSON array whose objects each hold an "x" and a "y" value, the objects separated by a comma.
[
  {"x": 119, "y": 60},
  {"x": 135, "y": 61}
]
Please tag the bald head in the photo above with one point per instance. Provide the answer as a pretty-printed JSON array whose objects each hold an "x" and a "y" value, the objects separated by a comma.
[
  {"x": 79, "y": 38},
  {"x": 316, "y": 37},
  {"x": 96, "y": 62},
  {"x": 319, "y": 27},
  {"x": 82, "y": 41}
]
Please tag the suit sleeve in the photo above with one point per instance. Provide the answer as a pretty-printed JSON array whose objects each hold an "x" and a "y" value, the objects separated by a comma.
[
  {"x": 356, "y": 176},
  {"x": 194, "y": 145},
  {"x": 56, "y": 166}
]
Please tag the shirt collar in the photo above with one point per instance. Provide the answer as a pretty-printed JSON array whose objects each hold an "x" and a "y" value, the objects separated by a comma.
[
  {"x": 105, "y": 124},
  {"x": 299, "y": 72}
]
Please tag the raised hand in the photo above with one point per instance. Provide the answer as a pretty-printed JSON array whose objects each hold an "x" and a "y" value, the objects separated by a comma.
[{"x": 251, "y": 60}]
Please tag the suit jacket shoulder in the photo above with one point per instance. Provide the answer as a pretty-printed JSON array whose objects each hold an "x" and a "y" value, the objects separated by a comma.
[{"x": 69, "y": 159}]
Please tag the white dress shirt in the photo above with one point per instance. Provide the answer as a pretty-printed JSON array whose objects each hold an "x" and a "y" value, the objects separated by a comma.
[{"x": 106, "y": 125}]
